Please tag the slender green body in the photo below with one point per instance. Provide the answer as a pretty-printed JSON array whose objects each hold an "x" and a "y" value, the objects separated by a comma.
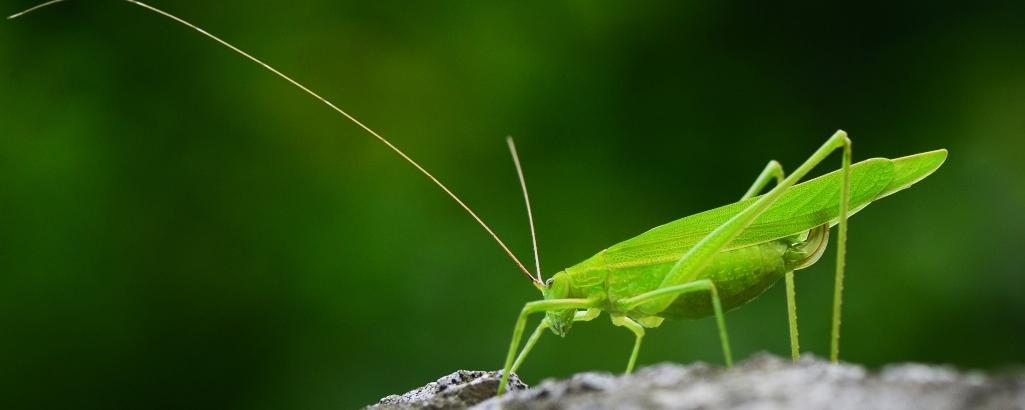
[
  {"x": 789, "y": 235},
  {"x": 740, "y": 275}
]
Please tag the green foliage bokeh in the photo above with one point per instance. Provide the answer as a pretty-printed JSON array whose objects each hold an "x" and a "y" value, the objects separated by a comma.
[{"x": 178, "y": 228}]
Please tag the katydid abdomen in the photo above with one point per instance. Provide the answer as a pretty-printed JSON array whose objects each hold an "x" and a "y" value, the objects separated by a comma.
[
  {"x": 739, "y": 274},
  {"x": 744, "y": 273}
]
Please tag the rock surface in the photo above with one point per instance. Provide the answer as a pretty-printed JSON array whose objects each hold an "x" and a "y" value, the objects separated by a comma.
[
  {"x": 762, "y": 382},
  {"x": 458, "y": 390}
]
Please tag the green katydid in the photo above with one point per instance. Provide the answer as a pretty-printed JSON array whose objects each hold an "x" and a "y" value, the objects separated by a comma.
[
  {"x": 724, "y": 257},
  {"x": 700, "y": 265}
]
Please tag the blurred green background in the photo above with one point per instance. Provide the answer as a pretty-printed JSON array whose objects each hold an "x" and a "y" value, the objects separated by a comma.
[{"x": 181, "y": 229}]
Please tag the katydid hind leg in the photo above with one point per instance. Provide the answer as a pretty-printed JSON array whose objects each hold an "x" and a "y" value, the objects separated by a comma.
[
  {"x": 841, "y": 252},
  {"x": 521, "y": 322},
  {"x": 775, "y": 170},
  {"x": 701, "y": 285},
  {"x": 689, "y": 266},
  {"x": 638, "y": 331},
  {"x": 795, "y": 344}
]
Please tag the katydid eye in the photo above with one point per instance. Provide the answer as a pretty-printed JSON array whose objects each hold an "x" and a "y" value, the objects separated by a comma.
[{"x": 548, "y": 283}]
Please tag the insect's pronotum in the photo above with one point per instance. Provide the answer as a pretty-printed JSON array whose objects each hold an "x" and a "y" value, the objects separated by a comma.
[{"x": 699, "y": 265}]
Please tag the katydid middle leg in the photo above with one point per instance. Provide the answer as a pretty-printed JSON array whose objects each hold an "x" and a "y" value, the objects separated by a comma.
[
  {"x": 638, "y": 331},
  {"x": 695, "y": 286},
  {"x": 689, "y": 266},
  {"x": 775, "y": 170}
]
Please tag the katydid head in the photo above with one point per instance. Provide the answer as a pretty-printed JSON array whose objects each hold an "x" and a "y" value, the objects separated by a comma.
[{"x": 557, "y": 287}]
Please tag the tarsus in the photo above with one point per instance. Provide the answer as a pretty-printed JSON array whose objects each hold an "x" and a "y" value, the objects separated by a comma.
[{"x": 329, "y": 104}]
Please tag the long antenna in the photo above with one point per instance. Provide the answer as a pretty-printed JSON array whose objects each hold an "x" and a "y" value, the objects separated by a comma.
[
  {"x": 329, "y": 104},
  {"x": 33, "y": 8},
  {"x": 526, "y": 198}
]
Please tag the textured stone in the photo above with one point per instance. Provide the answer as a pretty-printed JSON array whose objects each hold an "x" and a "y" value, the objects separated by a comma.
[
  {"x": 762, "y": 382},
  {"x": 458, "y": 390}
]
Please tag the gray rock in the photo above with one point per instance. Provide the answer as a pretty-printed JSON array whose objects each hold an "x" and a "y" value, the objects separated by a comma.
[
  {"x": 762, "y": 382},
  {"x": 459, "y": 390}
]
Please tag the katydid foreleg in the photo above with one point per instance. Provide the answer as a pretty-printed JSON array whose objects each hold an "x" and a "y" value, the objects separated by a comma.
[
  {"x": 538, "y": 331},
  {"x": 579, "y": 316},
  {"x": 775, "y": 170},
  {"x": 521, "y": 322}
]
